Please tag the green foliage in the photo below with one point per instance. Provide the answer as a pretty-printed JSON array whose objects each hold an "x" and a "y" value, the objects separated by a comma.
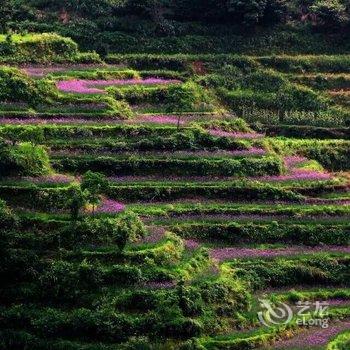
[
  {"x": 231, "y": 191},
  {"x": 94, "y": 184},
  {"x": 7, "y": 218},
  {"x": 18, "y": 87},
  {"x": 274, "y": 232},
  {"x": 271, "y": 91},
  {"x": 23, "y": 160},
  {"x": 38, "y": 48},
  {"x": 75, "y": 281},
  {"x": 185, "y": 97},
  {"x": 30, "y": 134},
  {"x": 316, "y": 270},
  {"x": 76, "y": 200},
  {"x": 341, "y": 342},
  {"x": 330, "y": 14},
  {"x": 248, "y": 166},
  {"x": 252, "y": 12},
  {"x": 119, "y": 232}
]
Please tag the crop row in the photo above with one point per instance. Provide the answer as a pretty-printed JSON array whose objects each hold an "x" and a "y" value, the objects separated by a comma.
[
  {"x": 263, "y": 233},
  {"x": 330, "y": 64},
  {"x": 170, "y": 166}
]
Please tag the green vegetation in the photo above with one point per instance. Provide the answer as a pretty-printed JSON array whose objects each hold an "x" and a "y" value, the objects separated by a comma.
[{"x": 171, "y": 172}]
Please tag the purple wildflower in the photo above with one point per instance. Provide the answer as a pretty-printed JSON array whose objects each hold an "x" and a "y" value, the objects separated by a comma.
[
  {"x": 81, "y": 86},
  {"x": 314, "y": 336},
  {"x": 296, "y": 175},
  {"x": 110, "y": 206},
  {"x": 228, "y": 253},
  {"x": 161, "y": 284},
  {"x": 50, "y": 179},
  {"x": 162, "y": 119},
  {"x": 238, "y": 135},
  {"x": 191, "y": 244},
  {"x": 63, "y": 120},
  {"x": 292, "y": 161},
  {"x": 157, "y": 233}
]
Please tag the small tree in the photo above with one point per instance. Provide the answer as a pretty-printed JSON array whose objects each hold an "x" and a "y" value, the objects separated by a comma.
[
  {"x": 248, "y": 12},
  {"x": 129, "y": 228},
  {"x": 94, "y": 185},
  {"x": 76, "y": 201},
  {"x": 330, "y": 14}
]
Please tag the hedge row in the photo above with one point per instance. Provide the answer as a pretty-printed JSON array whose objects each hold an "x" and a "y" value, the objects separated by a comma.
[
  {"x": 53, "y": 199},
  {"x": 298, "y": 63},
  {"x": 170, "y": 166},
  {"x": 158, "y": 210},
  {"x": 341, "y": 342},
  {"x": 237, "y": 192},
  {"x": 107, "y": 326},
  {"x": 305, "y": 131},
  {"x": 320, "y": 269},
  {"x": 333, "y": 155},
  {"x": 124, "y": 131},
  {"x": 274, "y": 232},
  {"x": 177, "y": 142},
  {"x": 253, "y": 340},
  {"x": 302, "y": 64},
  {"x": 42, "y": 48}
]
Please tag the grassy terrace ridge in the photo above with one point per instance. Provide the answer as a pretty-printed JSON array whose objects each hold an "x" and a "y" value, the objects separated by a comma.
[{"x": 166, "y": 166}]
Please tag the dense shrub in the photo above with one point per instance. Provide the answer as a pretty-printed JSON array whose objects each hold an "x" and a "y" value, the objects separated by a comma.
[
  {"x": 7, "y": 218},
  {"x": 272, "y": 93},
  {"x": 264, "y": 80},
  {"x": 239, "y": 233},
  {"x": 302, "y": 64},
  {"x": 38, "y": 48},
  {"x": 341, "y": 342},
  {"x": 23, "y": 160},
  {"x": 331, "y": 154},
  {"x": 166, "y": 192},
  {"x": 16, "y": 86},
  {"x": 181, "y": 166},
  {"x": 331, "y": 14},
  {"x": 63, "y": 280},
  {"x": 119, "y": 231},
  {"x": 185, "y": 97},
  {"x": 316, "y": 270}
]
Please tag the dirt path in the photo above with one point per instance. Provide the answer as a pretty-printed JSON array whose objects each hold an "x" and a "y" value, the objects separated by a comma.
[
  {"x": 222, "y": 254},
  {"x": 315, "y": 336}
]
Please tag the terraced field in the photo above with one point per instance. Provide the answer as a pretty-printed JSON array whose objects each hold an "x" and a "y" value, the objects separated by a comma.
[{"x": 150, "y": 205}]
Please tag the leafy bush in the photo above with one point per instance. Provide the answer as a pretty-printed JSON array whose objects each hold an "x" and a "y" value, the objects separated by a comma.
[
  {"x": 94, "y": 185},
  {"x": 331, "y": 14},
  {"x": 316, "y": 270},
  {"x": 38, "y": 48},
  {"x": 119, "y": 231},
  {"x": 7, "y": 218},
  {"x": 341, "y": 342},
  {"x": 68, "y": 281},
  {"x": 18, "y": 87},
  {"x": 258, "y": 233},
  {"x": 248, "y": 166},
  {"x": 23, "y": 160}
]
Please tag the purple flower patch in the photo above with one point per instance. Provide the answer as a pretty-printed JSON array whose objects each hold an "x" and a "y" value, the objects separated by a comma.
[
  {"x": 109, "y": 206},
  {"x": 222, "y": 254},
  {"x": 81, "y": 86},
  {"x": 162, "y": 119},
  {"x": 237, "y": 135}
]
